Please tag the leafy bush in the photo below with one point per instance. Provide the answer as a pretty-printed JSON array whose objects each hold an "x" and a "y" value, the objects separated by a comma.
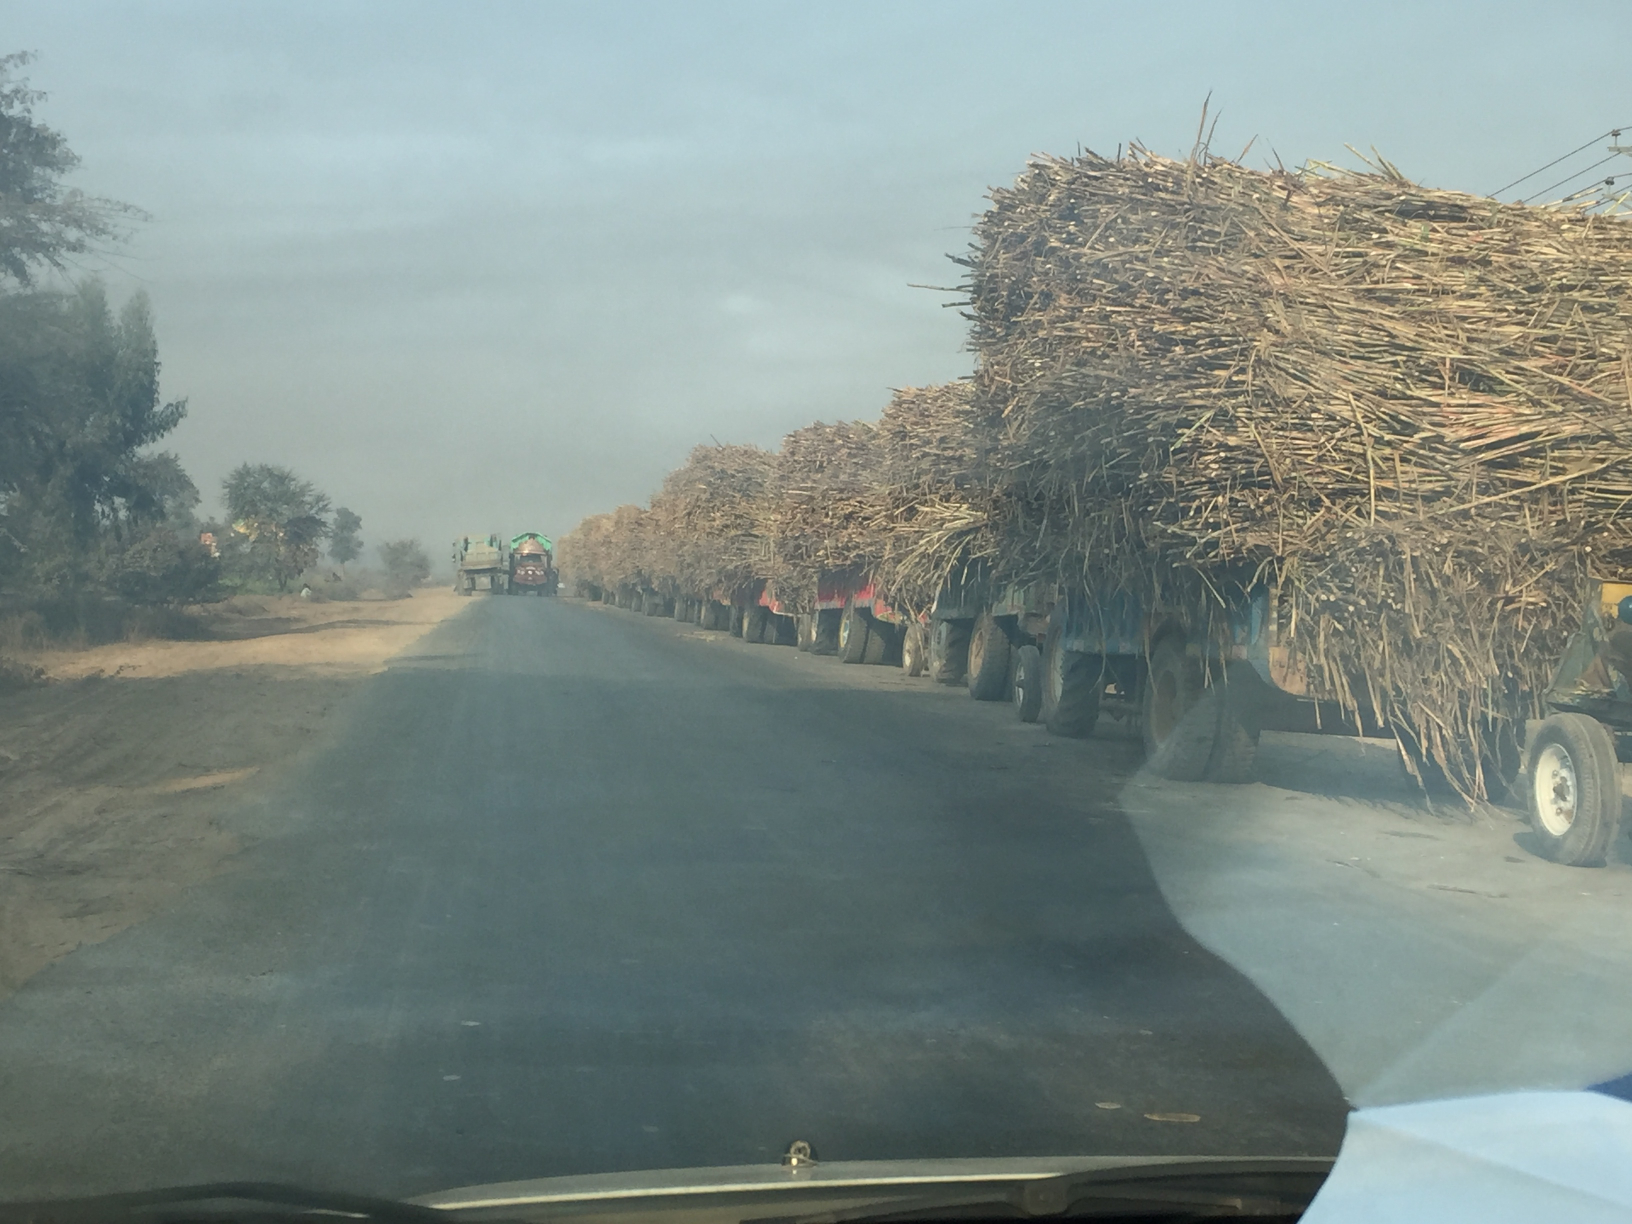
[
  {"x": 406, "y": 564},
  {"x": 163, "y": 568}
]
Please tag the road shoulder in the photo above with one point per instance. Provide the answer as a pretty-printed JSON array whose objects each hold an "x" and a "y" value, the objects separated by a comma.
[{"x": 114, "y": 774}]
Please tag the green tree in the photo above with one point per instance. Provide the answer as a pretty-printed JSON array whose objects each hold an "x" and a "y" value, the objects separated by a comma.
[
  {"x": 79, "y": 400},
  {"x": 167, "y": 490},
  {"x": 42, "y": 221},
  {"x": 344, "y": 542},
  {"x": 405, "y": 562},
  {"x": 83, "y": 505},
  {"x": 281, "y": 518},
  {"x": 164, "y": 567}
]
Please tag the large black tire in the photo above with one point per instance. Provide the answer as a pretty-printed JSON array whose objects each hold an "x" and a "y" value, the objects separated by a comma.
[
  {"x": 881, "y": 641},
  {"x": 1197, "y": 732},
  {"x": 988, "y": 660},
  {"x": 1179, "y": 734},
  {"x": 754, "y": 623},
  {"x": 739, "y": 618},
  {"x": 1235, "y": 744},
  {"x": 914, "y": 650},
  {"x": 1072, "y": 684},
  {"x": 948, "y": 651},
  {"x": 1574, "y": 790},
  {"x": 804, "y": 628},
  {"x": 1028, "y": 682},
  {"x": 852, "y": 635},
  {"x": 779, "y": 630},
  {"x": 827, "y": 631}
]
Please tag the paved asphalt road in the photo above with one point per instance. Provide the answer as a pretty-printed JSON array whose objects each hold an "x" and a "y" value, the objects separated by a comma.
[{"x": 575, "y": 891}]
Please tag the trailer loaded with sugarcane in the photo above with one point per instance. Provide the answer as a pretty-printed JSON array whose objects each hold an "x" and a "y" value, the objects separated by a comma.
[{"x": 1314, "y": 450}]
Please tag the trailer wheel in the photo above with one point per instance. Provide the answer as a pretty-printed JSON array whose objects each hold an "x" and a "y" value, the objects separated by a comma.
[
  {"x": 1072, "y": 683},
  {"x": 804, "y": 630},
  {"x": 913, "y": 650},
  {"x": 948, "y": 651},
  {"x": 988, "y": 660},
  {"x": 1028, "y": 682},
  {"x": 880, "y": 643},
  {"x": 1235, "y": 742},
  {"x": 852, "y": 635},
  {"x": 1574, "y": 790},
  {"x": 827, "y": 631},
  {"x": 1179, "y": 735},
  {"x": 754, "y": 624}
]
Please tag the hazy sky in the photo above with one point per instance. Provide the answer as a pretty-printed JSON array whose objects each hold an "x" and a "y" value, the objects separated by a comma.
[{"x": 485, "y": 265}]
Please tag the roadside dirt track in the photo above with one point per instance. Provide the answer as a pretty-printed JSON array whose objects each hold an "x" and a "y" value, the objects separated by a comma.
[{"x": 113, "y": 773}]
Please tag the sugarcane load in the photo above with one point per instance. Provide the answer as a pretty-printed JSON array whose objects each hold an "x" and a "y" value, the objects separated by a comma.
[
  {"x": 1403, "y": 410},
  {"x": 1242, "y": 450}
]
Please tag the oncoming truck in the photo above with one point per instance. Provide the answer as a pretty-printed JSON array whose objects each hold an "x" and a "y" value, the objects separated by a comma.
[
  {"x": 481, "y": 563},
  {"x": 532, "y": 565}
]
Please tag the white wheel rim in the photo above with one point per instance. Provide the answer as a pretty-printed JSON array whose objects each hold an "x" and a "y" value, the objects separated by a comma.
[
  {"x": 1557, "y": 792},
  {"x": 1056, "y": 674}
]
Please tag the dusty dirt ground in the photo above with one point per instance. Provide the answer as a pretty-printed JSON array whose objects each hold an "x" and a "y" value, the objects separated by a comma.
[{"x": 113, "y": 773}]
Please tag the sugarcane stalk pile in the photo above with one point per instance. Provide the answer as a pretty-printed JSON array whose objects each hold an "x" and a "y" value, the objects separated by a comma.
[
  {"x": 607, "y": 550},
  {"x": 825, "y": 514},
  {"x": 709, "y": 518},
  {"x": 1408, "y": 408},
  {"x": 934, "y": 511},
  {"x": 1409, "y": 411}
]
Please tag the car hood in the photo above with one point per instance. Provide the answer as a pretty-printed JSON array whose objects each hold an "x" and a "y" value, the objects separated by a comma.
[
  {"x": 772, "y": 1191},
  {"x": 1520, "y": 1156}
]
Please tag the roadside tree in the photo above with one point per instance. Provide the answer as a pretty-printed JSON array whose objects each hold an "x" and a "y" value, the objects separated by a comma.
[
  {"x": 280, "y": 517},
  {"x": 79, "y": 402},
  {"x": 406, "y": 563},
  {"x": 42, "y": 221},
  {"x": 344, "y": 542}
]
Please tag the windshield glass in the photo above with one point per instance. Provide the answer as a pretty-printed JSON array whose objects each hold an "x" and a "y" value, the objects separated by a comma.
[{"x": 1090, "y": 612}]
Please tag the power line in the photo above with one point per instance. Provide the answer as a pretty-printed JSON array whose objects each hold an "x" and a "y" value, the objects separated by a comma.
[
  {"x": 1571, "y": 178},
  {"x": 1612, "y": 132},
  {"x": 1595, "y": 185}
]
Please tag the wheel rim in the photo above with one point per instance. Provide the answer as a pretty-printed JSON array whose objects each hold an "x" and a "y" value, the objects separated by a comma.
[
  {"x": 844, "y": 631},
  {"x": 1022, "y": 681},
  {"x": 1557, "y": 792},
  {"x": 1056, "y": 674},
  {"x": 977, "y": 653}
]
